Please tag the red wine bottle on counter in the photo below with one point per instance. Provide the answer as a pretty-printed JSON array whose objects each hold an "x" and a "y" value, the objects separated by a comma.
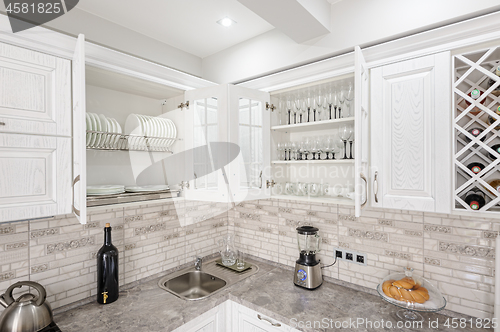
[
  {"x": 107, "y": 270},
  {"x": 495, "y": 92},
  {"x": 475, "y": 199}
]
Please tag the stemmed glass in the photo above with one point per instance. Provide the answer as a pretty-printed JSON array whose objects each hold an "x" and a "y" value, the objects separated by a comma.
[
  {"x": 339, "y": 143},
  {"x": 319, "y": 105},
  {"x": 296, "y": 109},
  {"x": 314, "y": 148},
  {"x": 351, "y": 139},
  {"x": 293, "y": 151},
  {"x": 335, "y": 95},
  {"x": 281, "y": 106},
  {"x": 302, "y": 150},
  {"x": 341, "y": 95},
  {"x": 289, "y": 106},
  {"x": 280, "y": 151},
  {"x": 349, "y": 97},
  {"x": 327, "y": 146},
  {"x": 309, "y": 104},
  {"x": 345, "y": 133}
]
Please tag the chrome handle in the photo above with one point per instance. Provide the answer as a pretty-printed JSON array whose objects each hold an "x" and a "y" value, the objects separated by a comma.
[
  {"x": 75, "y": 210},
  {"x": 260, "y": 176},
  {"x": 187, "y": 184},
  {"x": 268, "y": 320},
  {"x": 2, "y": 123},
  {"x": 375, "y": 187},
  {"x": 362, "y": 176}
]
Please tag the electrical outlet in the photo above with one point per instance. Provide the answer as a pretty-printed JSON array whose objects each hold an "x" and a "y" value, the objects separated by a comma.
[
  {"x": 339, "y": 254},
  {"x": 349, "y": 256},
  {"x": 361, "y": 259}
]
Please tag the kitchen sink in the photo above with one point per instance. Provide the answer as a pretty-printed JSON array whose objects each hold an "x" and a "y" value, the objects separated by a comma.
[{"x": 191, "y": 284}]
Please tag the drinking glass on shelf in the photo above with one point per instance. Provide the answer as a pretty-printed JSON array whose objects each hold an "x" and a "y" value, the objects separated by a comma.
[
  {"x": 278, "y": 189},
  {"x": 341, "y": 95},
  {"x": 325, "y": 146},
  {"x": 314, "y": 189},
  {"x": 303, "y": 189},
  {"x": 344, "y": 134},
  {"x": 313, "y": 147},
  {"x": 351, "y": 140},
  {"x": 319, "y": 147},
  {"x": 324, "y": 189},
  {"x": 349, "y": 97},
  {"x": 289, "y": 106},
  {"x": 281, "y": 109},
  {"x": 296, "y": 189},
  {"x": 340, "y": 144},
  {"x": 336, "y": 102},
  {"x": 280, "y": 151},
  {"x": 293, "y": 151},
  {"x": 319, "y": 105},
  {"x": 309, "y": 104},
  {"x": 286, "y": 146},
  {"x": 296, "y": 109},
  {"x": 302, "y": 150}
]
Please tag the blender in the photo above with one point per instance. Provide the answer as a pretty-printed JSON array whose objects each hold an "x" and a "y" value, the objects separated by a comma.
[{"x": 307, "y": 267}]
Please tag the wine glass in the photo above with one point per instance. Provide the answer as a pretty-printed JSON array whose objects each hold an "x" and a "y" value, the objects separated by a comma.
[
  {"x": 345, "y": 134},
  {"x": 349, "y": 97},
  {"x": 326, "y": 146},
  {"x": 342, "y": 93},
  {"x": 289, "y": 106},
  {"x": 335, "y": 96},
  {"x": 351, "y": 140},
  {"x": 319, "y": 105},
  {"x": 293, "y": 151},
  {"x": 302, "y": 150},
  {"x": 280, "y": 149},
  {"x": 296, "y": 108},
  {"x": 281, "y": 106},
  {"x": 309, "y": 104},
  {"x": 314, "y": 148}
]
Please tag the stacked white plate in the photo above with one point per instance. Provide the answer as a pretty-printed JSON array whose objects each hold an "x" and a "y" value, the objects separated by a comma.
[
  {"x": 110, "y": 131},
  {"x": 138, "y": 189},
  {"x": 150, "y": 133},
  {"x": 105, "y": 189}
]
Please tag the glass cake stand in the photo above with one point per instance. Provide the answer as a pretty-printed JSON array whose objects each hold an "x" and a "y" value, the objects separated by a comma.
[{"x": 410, "y": 309}]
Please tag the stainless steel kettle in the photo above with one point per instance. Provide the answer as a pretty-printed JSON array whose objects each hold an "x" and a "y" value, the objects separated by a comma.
[{"x": 27, "y": 313}]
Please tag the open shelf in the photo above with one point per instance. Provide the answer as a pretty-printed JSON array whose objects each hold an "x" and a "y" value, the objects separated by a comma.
[
  {"x": 311, "y": 126},
  {"x": 320, "y": 199},
  {"x": 336, "y": 161}
]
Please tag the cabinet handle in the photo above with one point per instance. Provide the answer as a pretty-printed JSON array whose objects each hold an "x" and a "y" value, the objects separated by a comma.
[
  {"x": 75, "y": 210},
  {"x": 268, "y": 320},
  {"x": 260, "y": 177},
  {"x": 2, "y": 123},
  {"x": 375, "y": 187},
  {"x": 362, "y": 176}
]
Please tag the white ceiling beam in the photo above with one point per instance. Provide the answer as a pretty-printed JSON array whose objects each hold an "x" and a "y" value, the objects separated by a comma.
[{"x": 301, "y": 20}]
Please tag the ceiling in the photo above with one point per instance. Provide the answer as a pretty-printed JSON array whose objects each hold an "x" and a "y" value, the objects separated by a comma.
[{"x": 189, "y": 25}]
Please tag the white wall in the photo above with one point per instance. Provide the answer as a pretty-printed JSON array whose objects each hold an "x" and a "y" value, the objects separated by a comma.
[
  {"x": 104, "y": 32},
  {"x": 354, "y": 22}
]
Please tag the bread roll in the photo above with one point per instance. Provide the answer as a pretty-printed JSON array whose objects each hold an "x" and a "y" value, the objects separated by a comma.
[
  {"x": 406, "y": 294},
  {"x": 395, "y": 293},
  {"x": 386, "y": 285},
  {"x": 423, "y": 292},
  {"x": 406, "y": 283}
]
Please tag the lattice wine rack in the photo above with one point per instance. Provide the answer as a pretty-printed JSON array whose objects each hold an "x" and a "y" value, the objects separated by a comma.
[{"x": 477, "y": 128}]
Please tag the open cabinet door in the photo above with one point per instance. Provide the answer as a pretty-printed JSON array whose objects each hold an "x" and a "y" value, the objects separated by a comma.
[
  {"x": 206, "y": 137},
  {"x": 361, "y": 131},
  {"x": 249, "y": 129},
  {"x": 79, "y": 186}
]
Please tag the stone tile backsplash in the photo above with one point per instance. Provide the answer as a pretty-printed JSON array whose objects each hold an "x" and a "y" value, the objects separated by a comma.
[
  {"x": 60, "y": 253},
  {"x": 455, "y": 253}
]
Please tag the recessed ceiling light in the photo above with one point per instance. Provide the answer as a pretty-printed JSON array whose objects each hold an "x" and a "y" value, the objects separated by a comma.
[{"x": 226, "y": 22}]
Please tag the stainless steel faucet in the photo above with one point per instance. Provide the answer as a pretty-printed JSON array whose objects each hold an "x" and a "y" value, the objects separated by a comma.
[{"x": 197, "y": 263}]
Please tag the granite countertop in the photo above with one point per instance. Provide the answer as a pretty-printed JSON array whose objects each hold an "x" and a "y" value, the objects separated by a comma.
[{"x": 146, "y": 307}]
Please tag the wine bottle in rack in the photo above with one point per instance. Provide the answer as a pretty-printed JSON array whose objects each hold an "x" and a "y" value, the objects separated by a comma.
[
  {"x": 475, "y": 167},
  {"x": 495, "y": 184},
  {"x": 475, "y": 94},
  {"x": 495, "y": 147},
  {"x": 476, "y": 132},
  {"x": 475, "y": 199},
  {"x": 495, "y": 92},
  {"x": 491, "y": 120},
  {"x": 107, "y": 270}
]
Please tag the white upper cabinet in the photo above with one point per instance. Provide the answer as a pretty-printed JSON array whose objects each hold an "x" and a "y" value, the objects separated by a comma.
[
  {"x": 35, "y": 134},
  {"x": 226, "y": 130},
  {"x": 35, "y": 92},
  {"x": 410, "y": 134}
]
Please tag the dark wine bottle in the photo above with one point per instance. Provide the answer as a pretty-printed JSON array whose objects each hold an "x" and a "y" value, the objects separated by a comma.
[
  {"x": 475, "y": 94},
  {"x": 475, "y": 199},
  {"x": 495, "y": 92},
  {"x": 475, "y": 167},
  {"x": 107, "y": 270},
  {"x": 475, "y": 132}
]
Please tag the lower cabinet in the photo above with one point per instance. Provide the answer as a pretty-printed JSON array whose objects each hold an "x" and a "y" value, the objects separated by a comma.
[{"x": 233, "y": 317}]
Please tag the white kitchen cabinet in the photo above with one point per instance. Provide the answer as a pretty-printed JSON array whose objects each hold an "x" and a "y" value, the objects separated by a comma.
[
  {"x": 35, "y": 134},
  {"x": 213, "y": 320},
  {"x": 35, "y": 176},
  {"x": 244, "y": 319},
  {"x": 35, "y": 92},
  {"x": 226, "y": 130},
  {"x": 411, "y": 134}
]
